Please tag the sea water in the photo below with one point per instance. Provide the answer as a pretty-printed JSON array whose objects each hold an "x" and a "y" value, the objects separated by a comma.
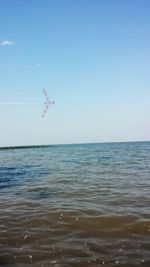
[{"x": 75, "y": 205}]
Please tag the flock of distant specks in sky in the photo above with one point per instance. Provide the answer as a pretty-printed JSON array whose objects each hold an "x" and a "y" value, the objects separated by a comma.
[{"x": 47, "y": 101}]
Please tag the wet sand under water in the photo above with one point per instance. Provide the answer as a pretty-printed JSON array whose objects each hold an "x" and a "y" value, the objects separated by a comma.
[{"x": 33, "y": 237}]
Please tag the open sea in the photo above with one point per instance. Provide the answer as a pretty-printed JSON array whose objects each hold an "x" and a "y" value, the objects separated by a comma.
[{"x": 75, "y": 205}]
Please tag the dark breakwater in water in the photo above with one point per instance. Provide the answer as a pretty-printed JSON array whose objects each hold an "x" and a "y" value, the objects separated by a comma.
[{"x": 75, "y": 205}]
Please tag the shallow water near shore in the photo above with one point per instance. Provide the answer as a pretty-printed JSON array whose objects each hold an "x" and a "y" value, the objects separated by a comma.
[{"x": 75, "y": 205}]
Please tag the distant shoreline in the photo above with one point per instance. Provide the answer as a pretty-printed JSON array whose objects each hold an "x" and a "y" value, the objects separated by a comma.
[{"x": 45, "y": 146}]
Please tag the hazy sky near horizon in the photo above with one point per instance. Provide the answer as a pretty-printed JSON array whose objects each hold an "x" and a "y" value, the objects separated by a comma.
[{"x": 94, "y": 59}]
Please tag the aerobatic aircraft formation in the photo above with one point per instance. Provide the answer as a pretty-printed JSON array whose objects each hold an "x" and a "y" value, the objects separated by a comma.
[{"x": 47, "y": 102}]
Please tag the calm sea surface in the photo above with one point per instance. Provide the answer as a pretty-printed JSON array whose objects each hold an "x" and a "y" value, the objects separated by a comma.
[{"x": 75, "y": 205}]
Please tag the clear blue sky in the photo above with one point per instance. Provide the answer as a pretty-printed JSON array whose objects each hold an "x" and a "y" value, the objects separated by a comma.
[{"x": 93, "y": 56}]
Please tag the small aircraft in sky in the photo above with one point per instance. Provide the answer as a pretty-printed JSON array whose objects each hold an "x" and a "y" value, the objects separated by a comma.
[{"x": 47, "y": 102}]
